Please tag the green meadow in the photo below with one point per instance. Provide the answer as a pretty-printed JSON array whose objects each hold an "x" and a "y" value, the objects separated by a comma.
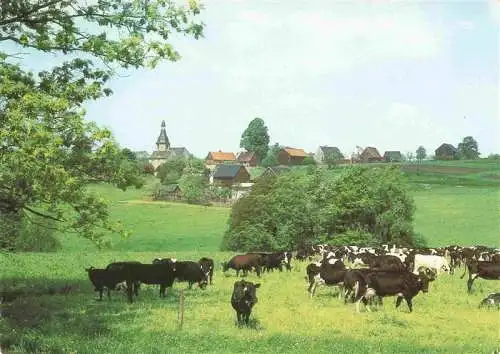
[{"x": 46, "y": 319}]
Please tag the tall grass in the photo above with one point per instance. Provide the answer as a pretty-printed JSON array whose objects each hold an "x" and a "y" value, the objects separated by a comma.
[{"x": 285, "y": 318}]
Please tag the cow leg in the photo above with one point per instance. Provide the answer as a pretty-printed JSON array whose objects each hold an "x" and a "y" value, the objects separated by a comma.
[
  {"x": 190, "y": 286},
  {"x": 237, "y": 272},
  {"x": 100, "y": 294},
  {"x": 341, "y": 291},
  {"x": 470, "y": 282},
  {"x": 129, "y": 290},
  {"x": 247, "y": 317},
  {"x": 398, "y": 301},
  {"x": 362, "y": 298},
  {"x": 409, "y": 302},
  {"x": 109, "y": 294},
  {"x": 238, "y": 318},
  {"x": 162, "y": 290},
  {"x": 313, "y": 288}
]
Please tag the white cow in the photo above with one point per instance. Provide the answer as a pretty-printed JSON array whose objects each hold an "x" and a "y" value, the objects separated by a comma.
[{"x": 438, "y": 263}]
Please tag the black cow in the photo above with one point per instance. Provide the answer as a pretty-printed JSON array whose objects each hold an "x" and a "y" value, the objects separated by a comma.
[
  {"x": 389, "y": 283},
  {"x": 352, "y": 279},
  {"x": 207, "y": 265},
  {"x": 244, "y": 262},
  {"x": 387, "y": 262},
  {"x": 490, "y": 300},
  {"x": 162, "y": 274},
  {"x": 104, "y": 278},
  {"x": 243, "y": 299},
  {"x": 191, "y": 272},
  {"x": 275, "y": 260},
  {"x": 484, "y": 270}
]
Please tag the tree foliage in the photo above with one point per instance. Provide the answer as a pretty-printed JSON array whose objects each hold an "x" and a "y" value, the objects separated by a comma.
[
  {"x": 468, "y": 149},
  {"x": 271, "y": 158},
  {"x": 48, "y": 153},
  {"x": 420, "y": 154},
  {"x": 255, "y": 138},
  {"x": 359, "y": 205}
]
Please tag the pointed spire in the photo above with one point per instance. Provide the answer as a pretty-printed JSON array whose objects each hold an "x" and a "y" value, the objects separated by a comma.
[{"x": 162, "y": 143}]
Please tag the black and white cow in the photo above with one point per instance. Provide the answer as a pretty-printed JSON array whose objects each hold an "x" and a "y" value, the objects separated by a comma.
[
  {"x": 207, "y": 265},
  {"x": 330, "y": 272},
  {"x": 404, "y": 285},
  {"x": 491, "y": 300}
]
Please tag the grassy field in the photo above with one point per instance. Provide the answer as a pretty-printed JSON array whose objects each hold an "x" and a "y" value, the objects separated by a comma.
[{"x": 446, "y": 320}]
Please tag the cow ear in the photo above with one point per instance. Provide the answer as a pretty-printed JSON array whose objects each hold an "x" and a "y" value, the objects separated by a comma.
[{"x": 257, "y": 285}]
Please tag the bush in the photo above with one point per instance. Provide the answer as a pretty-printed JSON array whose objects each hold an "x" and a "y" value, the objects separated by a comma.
[{"x": 359, "y": 205}]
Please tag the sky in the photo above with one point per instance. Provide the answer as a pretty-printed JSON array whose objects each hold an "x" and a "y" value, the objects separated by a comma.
[{"x": 393, "y": 75}]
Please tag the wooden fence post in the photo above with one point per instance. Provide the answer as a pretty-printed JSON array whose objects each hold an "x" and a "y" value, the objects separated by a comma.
[{"x": 181, "y": 309}]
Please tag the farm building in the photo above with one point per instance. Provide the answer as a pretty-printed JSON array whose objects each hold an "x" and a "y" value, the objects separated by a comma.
[
  {"x": 247, "y": 158},
  {"x": 324, "y": 152},
  {"x": 370, "y": 154},
  {"x": 291, "y": 156},
  {"x": 226, "y": 175},
  {"x": 163, "y": 149},
  {"x": 275, "y": 171},
  {"x": 169, "y": 192},
  {"x": 393, "y": 156},
  {"x": 446, "y": 152},
  {"x": 219, "y": 157}
]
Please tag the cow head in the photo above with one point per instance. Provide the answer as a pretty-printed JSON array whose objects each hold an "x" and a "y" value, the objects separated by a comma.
[
  {"x": 245, "y": 291},
  {"x": 425, "y": 276}
]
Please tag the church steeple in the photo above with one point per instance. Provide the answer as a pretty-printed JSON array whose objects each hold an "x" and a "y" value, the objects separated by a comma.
[{"x": 162, "y": 143}]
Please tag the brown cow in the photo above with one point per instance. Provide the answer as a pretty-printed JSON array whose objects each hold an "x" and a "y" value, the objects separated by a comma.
[{"x": 244, "y": 262}]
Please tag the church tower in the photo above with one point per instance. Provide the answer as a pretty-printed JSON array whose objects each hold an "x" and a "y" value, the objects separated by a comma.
[{"x": 162, "y": 143}]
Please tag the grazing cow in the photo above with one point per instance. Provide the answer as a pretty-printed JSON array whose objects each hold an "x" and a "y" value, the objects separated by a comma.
[
  {"x": 162, "y": 273},
  {"x": 104, "y": 278},
  {"x": 243, "y": 299},
  {"x": 191, "y": 272},
  {"x": 331, "y": 273},
  {"x": 207, "y": 265},
  {"x": 491, "y": 300},
  {"x": 484, "y": 270},
  {"x": 438, "y": 263},
  {"x": 385, "y": 283},
  {"x": 244, "y": 262}
]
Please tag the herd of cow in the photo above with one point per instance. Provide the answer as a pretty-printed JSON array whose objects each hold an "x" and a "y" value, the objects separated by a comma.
[{"x": 374, "y": 272}]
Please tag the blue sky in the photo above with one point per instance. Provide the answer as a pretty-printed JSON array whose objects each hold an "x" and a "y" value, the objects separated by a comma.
[{"x": 389, "y": 75}]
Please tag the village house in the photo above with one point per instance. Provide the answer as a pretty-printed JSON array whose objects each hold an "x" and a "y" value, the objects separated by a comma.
[
  {"x": 446, "y": 152},
  {"x": 226, "y": 175},
  {"x": 370, "y": 154},
  {"x": 393, "y": 156},
  {"x": 324, "y": 152},
  {"x": 291, "y": 156},
  {"x": 247, "y": 158},
  {"x": 219, "y": 157},
  {"x": 164, "y": 151}
]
